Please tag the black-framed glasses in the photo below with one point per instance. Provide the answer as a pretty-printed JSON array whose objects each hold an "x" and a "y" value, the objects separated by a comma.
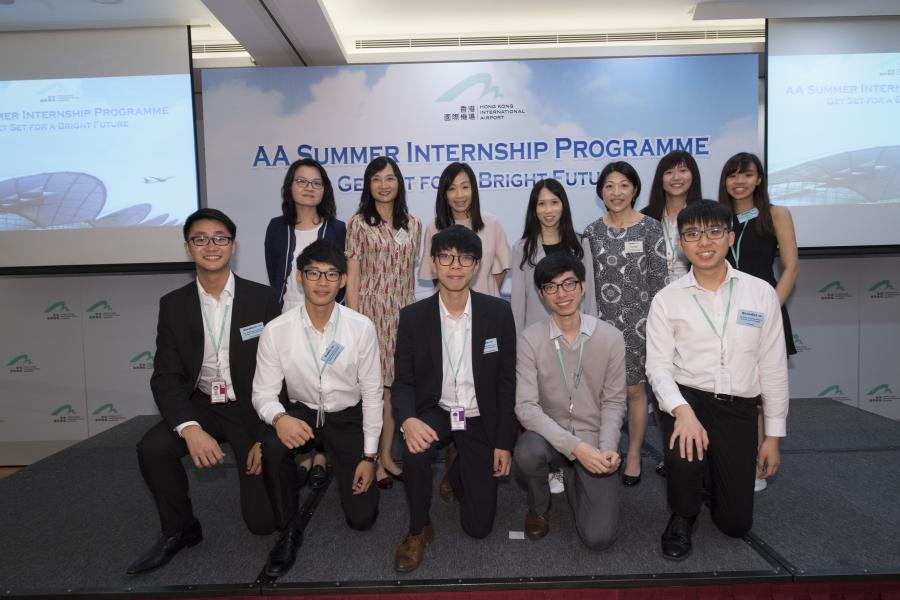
[
  {"x": 314, "y": 274},
  {"x": 315, "y": 184},
  {"x": 446, "y": 259},
  {"x": 204, "y": 240},
  {"x": 567, "y": 285},
  {"x": 712, "y": 233}
]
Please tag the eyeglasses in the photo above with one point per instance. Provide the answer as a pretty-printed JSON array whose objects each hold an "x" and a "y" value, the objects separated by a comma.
[
  {"x": 551, "y": 288},
  {"x": 315, "y": 184},
  {"x": 465, "y": 260},
  {"x": 204, "y": 240},
  {"x": 313, "y": 275},
  {"x": 712, "y": 233}
]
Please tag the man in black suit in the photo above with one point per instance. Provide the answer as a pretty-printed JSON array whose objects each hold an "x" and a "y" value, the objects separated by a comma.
[
  {"x": 206, "y": 341},
  {"x": 455, "y": 381}
]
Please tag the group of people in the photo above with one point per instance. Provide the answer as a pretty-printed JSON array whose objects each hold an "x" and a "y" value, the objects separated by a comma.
[{"x": 309, "y": 379}]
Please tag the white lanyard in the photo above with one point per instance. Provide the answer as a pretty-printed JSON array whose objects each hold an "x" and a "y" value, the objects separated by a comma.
[
  {"x": 460, "y": 359},
  {"x": 216, "y": 343},
  {"x": 320, "y": 412},
  {"x": 721, "y": 336},
  {"x": 576, "y": 376}
]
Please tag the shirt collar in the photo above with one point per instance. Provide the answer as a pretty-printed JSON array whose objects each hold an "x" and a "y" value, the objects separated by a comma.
[
  {"x": 467, "y": 311},
  {"x": 332, "y": 320},
  {"x": 228, "y": 290},
  {"x": 588, "y": 324},
  {"x": 689, "y": 281}
]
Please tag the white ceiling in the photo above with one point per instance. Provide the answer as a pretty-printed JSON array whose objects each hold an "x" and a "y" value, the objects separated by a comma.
[{"x": 318, "y": 32}]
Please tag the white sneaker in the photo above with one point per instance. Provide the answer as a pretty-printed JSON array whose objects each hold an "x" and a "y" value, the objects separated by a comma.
[
  {"x": 760, "y": 485},
  {"x": 557, "y": 483}
]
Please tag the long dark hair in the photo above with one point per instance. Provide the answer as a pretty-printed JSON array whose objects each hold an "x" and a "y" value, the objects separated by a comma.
[
  {"x": 443, "y": 215},
  {"x": 671, "y": 160},
  {"x": 327, "y": 210},
  {"x": 400, "y": 216},
  {"x": 570, "y": 241},
  {"x": 738, "y": 164}
]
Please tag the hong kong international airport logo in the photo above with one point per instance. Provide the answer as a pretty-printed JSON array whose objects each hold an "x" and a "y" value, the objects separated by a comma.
[
  {"x": 59, "y": 311},
  {"x": 881, "y": 393},
  {"x": 21, "y": 364},
  {"x": 833, "y": 291},
  {"x": 883, "y": 290},
  {"x": 107, "y": 414},
  {"x": 66, "y": 414},
  {"x": 101, "y": 309},
  {"x": 835, "y": 393},
  {"x": 142, "y": 361},
  {"x": 485, "y": 101},
  {"x": 799, "y": 345}
]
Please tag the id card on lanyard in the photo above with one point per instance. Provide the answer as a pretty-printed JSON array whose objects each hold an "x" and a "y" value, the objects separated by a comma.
[
  {"x": 457, "y": 413},
  {"x": 721, "y": 374},
  {"x": 218, "y": 389},
  {"x": 576, "y": 376},
  {"x": 332, "y": 352}
]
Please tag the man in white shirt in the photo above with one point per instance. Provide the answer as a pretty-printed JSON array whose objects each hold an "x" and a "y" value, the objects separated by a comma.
[
  {"x": 327, "y": 356},
  {"x": 715, "y": 350},
  {"x": 202, "y": 372},
  {"x": 570, "y": 398}
]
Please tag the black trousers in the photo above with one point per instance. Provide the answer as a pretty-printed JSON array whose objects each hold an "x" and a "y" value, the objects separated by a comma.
[
  {"x": 159, "y": 455},
  {"x": 728, "y": 468},
  {"x": 342, "y": 437},
  {"x": 472, "y": 475}
]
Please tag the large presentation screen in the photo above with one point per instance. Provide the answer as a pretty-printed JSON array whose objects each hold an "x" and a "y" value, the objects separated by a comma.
[
  {"x": 99, "y": 167},
  {"x": 834, "y": 129}
]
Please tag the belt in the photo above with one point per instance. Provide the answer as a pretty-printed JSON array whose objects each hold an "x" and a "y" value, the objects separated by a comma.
[{"x": 720, "y": 397}]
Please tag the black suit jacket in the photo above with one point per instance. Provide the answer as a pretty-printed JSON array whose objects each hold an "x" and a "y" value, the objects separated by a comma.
[
  {"x": 179, "y": 351},
  {"x": 418, "y": 370}
]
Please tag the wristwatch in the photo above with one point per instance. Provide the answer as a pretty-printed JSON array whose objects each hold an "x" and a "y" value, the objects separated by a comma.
[
  {"x": 277, "y": 417},
  {"x": 372, "y": 458}
]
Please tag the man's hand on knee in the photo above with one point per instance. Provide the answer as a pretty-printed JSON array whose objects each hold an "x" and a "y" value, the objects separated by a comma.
[
  {"x": 419, "y": 436},
  {"x": 689, "y": 433},
  {"x": 203, "y": 448},
  {"x": 293, "y": 432}
]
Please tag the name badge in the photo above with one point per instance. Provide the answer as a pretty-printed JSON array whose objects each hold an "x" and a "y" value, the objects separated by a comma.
[
  {"x": 332, "y": 352},
  {"x": 457, "y": 419},
  {"x": 401, "y": 237},
  {"x": 750, "y": 318},
  {"x": 490, "y": 346},
  {"x": 251, "y": 331},
  {"x": 634, "y": 246},
  {"x": 218, "y": 392},
  {"x": 747, "y": 215}
]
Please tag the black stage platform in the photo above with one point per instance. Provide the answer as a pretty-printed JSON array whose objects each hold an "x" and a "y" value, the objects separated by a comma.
[{"x": 70, "y": 524}]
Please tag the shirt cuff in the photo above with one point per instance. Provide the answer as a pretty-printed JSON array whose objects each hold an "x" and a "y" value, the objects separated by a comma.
[
  {"x": 268, "y": 411},
  {"x": 775, "y": 427},
  {"x": 370, "y": 444},
  {"x": 184, "y": 426}
]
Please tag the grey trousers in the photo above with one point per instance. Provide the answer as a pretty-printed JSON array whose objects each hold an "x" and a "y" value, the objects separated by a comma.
[{"x": 594, "y": 499}]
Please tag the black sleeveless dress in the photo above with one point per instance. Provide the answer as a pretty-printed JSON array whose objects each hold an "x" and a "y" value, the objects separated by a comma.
[{"x": 757, "y": 253}]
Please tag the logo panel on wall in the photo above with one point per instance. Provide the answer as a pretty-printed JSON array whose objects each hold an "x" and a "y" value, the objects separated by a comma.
[
  {"x": 66, "y": 413},
  {"x": 799, "y": 345},
  {"x": 142, "y": 361},
  {"x": 881, "y": 393},
  {"x": 59, "y": 311},
  {"x": 486, "y": 102},
  {"x": 834, "y": 291},
  {"x": 883, "y": 290},
  {"x": 835, "y": 393},
  {"x": 101, "y": 309},
  {"x": 107, "y": 413},
  {"x": 22, "y": 364}
]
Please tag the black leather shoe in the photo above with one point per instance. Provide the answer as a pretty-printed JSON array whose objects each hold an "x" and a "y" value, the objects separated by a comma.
[
  {"x": 283, "y": 555},
  {"x": 302, "y": 476},
  {"x": 318, "y": 477},
  {"x": 676, "y": 539},
  {"x": 165, "y": 548},
  {"x": 660, "y": 469},
  {"x": 630, "y": 480}
]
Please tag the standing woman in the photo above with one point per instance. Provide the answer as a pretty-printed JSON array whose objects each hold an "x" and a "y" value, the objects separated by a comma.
[
  {"x": 382, "y": 245},
  {"x": 308, "y": 213},
  {"x": 675, "y": 185},
  {"x": 629, "y": 268},
  {"x": 548, "y": 229},
  {"x": 457, "y": 203},
  {"x": 760, "y": 229}
]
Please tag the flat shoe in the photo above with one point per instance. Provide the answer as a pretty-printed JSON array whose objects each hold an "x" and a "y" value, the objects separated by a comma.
[{"x": 630, "y": 480}]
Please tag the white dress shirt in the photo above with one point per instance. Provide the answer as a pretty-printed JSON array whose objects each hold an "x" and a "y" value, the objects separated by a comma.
[
  {"x": 456, "y": 334},
  {"x": 683, "y": 349},
  {"x": 214, "y": 311},
  {"x": 284, "y": 354}
]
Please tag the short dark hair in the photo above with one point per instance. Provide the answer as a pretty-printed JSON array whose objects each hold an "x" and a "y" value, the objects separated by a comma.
[
  {"x": 620, "y": 166},
  {"x": 456, "y": 237},
  {"x": 554, "y": 265},
  {"x": 707, "y": 212},
  {"x": 327, "y": 209},
  {"x": 212, "y": 214},
  {"x": 323, "y": 251}
]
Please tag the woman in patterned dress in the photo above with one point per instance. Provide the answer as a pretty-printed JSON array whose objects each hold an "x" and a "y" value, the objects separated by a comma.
[
  {"x": 629, "y": 268},
  {"x": 381, "y": 248}
]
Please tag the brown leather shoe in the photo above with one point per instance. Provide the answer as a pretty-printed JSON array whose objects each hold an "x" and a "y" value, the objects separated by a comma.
[
  {"x": 411, "y": 550},
  {"x": 536, "y": 525},
  {"x": 445, "y": 489}
]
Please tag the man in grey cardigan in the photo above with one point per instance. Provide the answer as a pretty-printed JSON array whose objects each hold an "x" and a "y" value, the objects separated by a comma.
[{"x": 570, "y": 398}]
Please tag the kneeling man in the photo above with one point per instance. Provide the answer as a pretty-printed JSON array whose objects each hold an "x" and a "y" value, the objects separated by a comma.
[
  {"x": 327, "y": 355},
  {"x": 570, "y": 398},
  {"x": 455, "y": 381},
  {"x": 715, "y": 350}
]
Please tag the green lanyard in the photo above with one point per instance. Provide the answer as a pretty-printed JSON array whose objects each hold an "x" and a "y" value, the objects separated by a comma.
[
  {"x": 576, "y": 376},
  {"x": 721, "y": 336},
  {"x": 320, "y": 413},
  {"x": 216, "y": 343},
  {"x": 736, "y": 249},
  {"x": 670, "y": 239},
  {"x": 462, "y": 354}
]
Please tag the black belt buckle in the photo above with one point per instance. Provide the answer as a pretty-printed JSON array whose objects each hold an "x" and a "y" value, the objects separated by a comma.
[{"x": 724, "y": 397}]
